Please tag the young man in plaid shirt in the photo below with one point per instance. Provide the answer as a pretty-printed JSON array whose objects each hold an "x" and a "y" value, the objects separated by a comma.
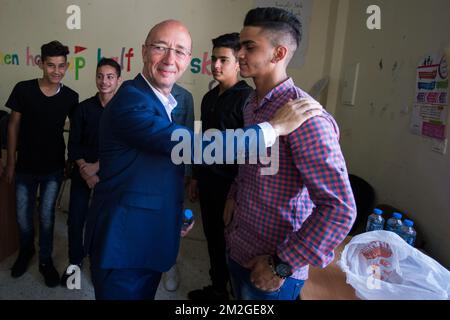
[{"x": 278, "y": 225}]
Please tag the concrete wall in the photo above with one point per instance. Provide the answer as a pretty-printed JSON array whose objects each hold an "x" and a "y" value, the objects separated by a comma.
[{"x": 375, "y": 132}]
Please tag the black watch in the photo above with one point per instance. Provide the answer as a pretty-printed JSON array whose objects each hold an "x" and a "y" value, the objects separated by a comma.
[{"x": 280, "y": 268}]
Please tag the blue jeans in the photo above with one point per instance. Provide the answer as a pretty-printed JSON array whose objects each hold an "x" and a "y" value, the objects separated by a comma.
[
  {"x": 26, "y": 191},
  {"x": 244, "y": 289},
  {"x": 78, "y": 207}
]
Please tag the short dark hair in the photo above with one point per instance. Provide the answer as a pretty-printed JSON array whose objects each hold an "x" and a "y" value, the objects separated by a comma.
[
  {"x": 54, "y": 49},
  {"x": 276, "y": 20},
  {"x": 110, "y": 62},
  {"x": 229, "y": 40}
]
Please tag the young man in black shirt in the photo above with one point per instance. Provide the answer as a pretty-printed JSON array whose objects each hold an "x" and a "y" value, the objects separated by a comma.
[
  {"x": 83, "y": 151},
  {"x": 221, "y": 109},
  {"x": 39, "y": 111}
]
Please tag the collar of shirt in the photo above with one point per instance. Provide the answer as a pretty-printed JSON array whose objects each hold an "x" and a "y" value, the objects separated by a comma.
[
  {"x": 169, "y": 102},
  {"x": 98, "y": 103},
  {"x": 273, "y": 94},
  {"x": 59, "y": 87}
]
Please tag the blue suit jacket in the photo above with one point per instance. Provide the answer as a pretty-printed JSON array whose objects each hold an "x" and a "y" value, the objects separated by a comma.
[
  {"x": 183, "y": 114},
  {"x": 135, "y": 216}
]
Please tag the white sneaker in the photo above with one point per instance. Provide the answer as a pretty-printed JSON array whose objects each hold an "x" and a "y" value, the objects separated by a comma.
[{"x": 171, "y": 279}]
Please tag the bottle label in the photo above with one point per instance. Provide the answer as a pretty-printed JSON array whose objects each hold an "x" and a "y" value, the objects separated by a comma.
[{"x": 375, "y": 227}]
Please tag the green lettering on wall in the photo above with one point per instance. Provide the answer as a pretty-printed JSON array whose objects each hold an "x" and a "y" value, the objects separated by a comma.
[{"x": 196, "y": 65}]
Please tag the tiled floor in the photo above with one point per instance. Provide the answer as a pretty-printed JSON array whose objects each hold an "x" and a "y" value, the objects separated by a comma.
[{"x": 193, "y": 265}]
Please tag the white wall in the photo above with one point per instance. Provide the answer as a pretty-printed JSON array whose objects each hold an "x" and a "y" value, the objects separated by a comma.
[
  {"x": 375, "y": 133},
  {"x": 113, "y": 24}
]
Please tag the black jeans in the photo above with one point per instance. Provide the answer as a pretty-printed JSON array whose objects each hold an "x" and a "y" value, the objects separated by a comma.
[
  {"x": 78, "y": 208},
  {"x": 213, "y": 194}
]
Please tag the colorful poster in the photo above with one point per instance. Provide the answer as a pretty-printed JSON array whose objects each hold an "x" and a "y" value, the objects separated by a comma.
[
  {"x": 432, "y": 81},
  {"x": 431, "y": 110}
]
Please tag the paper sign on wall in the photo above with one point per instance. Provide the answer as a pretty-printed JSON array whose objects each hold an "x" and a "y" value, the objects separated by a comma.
[
  {"x": 432, "y": 81},
  {"x": 431, "y": 103}
]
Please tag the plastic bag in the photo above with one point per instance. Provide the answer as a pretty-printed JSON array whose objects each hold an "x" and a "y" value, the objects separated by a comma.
[{"x": 380, "y": 265}]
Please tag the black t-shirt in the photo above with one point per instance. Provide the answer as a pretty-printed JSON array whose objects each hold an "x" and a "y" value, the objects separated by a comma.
[
  {"x": 222, "y": 112},
  {"x": 225, "y": 111},
  {"x": 41, "y": 147}
]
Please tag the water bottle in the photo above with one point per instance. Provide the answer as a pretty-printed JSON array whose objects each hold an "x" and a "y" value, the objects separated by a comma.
[
  {"x": 408, "y": 233},
  {"x": 394, "y": 224},
  {"x": 188, "y": 218},
  {"x": 375, "y": 221}
]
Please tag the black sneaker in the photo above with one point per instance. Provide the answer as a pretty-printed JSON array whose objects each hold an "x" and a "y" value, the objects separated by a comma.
[
  {"x": 50, "y": 274},
  {"x": 21, "y": 264},
  {"x": 208, "y": 294},
  {"x": 65, "y": 276}
]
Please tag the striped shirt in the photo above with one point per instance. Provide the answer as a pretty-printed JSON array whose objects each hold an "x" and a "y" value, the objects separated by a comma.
[{"x": 305, "y": 210}]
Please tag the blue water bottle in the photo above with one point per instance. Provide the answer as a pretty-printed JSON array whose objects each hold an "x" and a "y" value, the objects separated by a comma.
[
  {"x": 375, "y": 221},
  {"x": 408, "y": 233},
  {"x": 188, "y": 218},
  {"x": 394, "y": 224}
]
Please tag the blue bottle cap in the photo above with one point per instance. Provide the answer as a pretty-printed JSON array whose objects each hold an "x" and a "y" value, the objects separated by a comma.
[
  {"x": 188, "y": 214},
  {"x": 397, "y": 215},
  {"x": 408, "y": 223},
  {"x": 378, "y": 211}
]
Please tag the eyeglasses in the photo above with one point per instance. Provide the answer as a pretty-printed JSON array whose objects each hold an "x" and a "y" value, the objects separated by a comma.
[{"x": 163, "y": 50}]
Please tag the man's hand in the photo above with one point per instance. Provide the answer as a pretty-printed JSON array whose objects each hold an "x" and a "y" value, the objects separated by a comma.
[
  {"x": 228, "y": 211},
  {"x": 92, "y": 181},
  {"x": 262, "y": 275},
  {"x": 184, "y": 232},
  {"x": 88, "y": 170},
  {"x": 9, "y": 173},
  {"x": 293, "y": 114},
  {"x": 193, "y": 190}
]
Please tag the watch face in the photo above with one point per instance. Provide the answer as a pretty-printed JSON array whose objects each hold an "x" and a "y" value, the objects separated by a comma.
[{"x": 283, "y": 270}]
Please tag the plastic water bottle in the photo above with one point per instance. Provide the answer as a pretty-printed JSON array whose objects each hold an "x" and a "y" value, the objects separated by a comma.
[
  {"x": 188, "y": 218},
  {"x": 408, "y": 233},
  {"x": 375, "y": 221},
  {"x": 394, "y": 224}
]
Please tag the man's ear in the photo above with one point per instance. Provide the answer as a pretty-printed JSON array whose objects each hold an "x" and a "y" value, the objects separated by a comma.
[
  {"x": 144, "y": 52},
  {"x": 40, "y": 64},
  {"x": 279, "y": 54},
  {"x": 237, "y": 67}
]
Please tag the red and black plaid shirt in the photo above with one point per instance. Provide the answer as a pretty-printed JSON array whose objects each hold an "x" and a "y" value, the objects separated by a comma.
[{"x": 304, "y": 211}]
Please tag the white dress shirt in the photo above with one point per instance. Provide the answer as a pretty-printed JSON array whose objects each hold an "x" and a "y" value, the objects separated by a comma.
[{"x": 169, "y": 102}]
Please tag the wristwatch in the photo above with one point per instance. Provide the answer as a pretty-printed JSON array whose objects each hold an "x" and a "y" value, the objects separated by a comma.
[{"x": 280, "y": 268}]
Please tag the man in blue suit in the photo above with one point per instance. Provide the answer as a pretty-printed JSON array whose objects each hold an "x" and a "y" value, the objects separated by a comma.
[
  {"x": 183, "y": 115},
  {"x": 134, "y": 224}
]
